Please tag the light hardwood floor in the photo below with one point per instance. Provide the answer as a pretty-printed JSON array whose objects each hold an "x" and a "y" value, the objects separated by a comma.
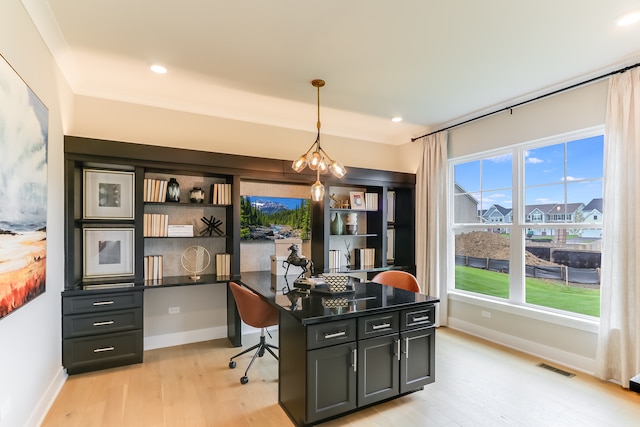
[{"x": 477, "y": 384}]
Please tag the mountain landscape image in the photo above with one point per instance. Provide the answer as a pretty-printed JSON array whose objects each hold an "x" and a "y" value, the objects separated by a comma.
[{"x": 272, "y": 218}]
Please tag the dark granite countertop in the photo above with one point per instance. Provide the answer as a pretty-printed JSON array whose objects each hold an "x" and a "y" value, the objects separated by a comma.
[{"x": 310, "y": 307}]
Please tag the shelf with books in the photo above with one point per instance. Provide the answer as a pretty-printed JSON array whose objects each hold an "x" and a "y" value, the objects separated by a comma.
[
  {"x": 200, "y": 208},
  {"x": 353, "y": 223}
]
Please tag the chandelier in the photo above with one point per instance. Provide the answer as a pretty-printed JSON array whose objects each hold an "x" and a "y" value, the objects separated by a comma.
[{"x": 317, "y": 159}]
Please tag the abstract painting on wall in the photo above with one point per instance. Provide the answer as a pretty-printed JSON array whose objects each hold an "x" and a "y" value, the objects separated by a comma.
[{"x": 24, "y": 124}]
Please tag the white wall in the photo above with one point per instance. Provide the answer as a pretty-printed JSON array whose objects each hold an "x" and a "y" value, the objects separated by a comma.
[
  {"x": 106, "y": 119},
  {"x": 554, "y": 337},
  {"x": 30, "y": 353}
]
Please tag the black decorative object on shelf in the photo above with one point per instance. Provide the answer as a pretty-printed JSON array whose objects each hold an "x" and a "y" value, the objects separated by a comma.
[
  {"x": 196, "y": 195},
  {"x": 173, "y": 190},
  {"x": 213, "y": 226}
]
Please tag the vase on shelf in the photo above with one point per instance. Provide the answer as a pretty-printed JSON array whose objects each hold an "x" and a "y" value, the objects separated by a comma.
[
  {"x": 196, "y": 195},
  {"x": 173, "y": 190},
  {"x": 352, "y": 223},
  {"x": 336, "y": 224}
]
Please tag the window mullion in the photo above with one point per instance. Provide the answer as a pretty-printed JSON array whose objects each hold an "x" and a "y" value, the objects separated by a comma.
[{"x": 516, "y": 244}]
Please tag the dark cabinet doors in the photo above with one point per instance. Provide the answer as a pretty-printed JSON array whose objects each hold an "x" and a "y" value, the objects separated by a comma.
[
  {"x": 417, "y": 361},
  {"x": 331, "y": 381},
  {"x": 378, "y": 369}
]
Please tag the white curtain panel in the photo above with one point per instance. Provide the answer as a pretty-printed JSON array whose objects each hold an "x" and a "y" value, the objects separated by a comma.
[
  {"x": 618, "y": 353},
  {"x": 431, "y": 219}
]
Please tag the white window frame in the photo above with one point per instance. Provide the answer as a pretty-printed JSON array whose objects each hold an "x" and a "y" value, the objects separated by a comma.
[{"x": 517, "y": 230}]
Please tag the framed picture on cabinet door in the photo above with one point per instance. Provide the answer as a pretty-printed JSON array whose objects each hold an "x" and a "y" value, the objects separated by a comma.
[
  {"x": 108, "y": 194},
  {"x": 108, "y": 252}
]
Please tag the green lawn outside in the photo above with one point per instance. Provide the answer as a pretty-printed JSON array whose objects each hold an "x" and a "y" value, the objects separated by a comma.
[{"x": 538, "y": 292}]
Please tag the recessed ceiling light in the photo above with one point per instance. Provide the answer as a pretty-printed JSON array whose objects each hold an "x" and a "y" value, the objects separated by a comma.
[
  {"x": 158, "y": 69},
  {"x": 396, "y": 119},
  {"x": 628, "y": 19}
]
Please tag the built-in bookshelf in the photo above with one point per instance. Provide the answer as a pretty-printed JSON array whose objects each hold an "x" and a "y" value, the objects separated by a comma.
[{"x": 172, "y": 226}]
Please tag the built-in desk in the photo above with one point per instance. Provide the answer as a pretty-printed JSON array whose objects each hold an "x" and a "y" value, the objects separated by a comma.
[{"x": 338, "y": 354}]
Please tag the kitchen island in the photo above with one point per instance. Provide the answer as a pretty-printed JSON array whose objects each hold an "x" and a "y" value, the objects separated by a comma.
[{"x": 340, "y": 352}]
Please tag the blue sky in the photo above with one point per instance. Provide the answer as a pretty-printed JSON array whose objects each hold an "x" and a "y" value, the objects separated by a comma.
[
  {"x": 289, "y": 202},
  {"x": 544, "y": 174}
]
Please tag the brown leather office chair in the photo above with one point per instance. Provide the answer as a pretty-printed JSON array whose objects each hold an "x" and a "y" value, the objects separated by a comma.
[
  {"x": 398, "y": 279},
  {"x": 256, "y": 312}
]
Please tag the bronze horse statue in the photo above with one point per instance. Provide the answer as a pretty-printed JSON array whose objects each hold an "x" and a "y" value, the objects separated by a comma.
[{"x": 297, "y": 260}]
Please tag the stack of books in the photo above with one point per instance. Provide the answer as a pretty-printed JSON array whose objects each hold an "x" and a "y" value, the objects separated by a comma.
[
  {"x": 155, "y": 190},
  {"x": 334, "y": 259},
  {"x": 221, "y": 194},
  {"x": 176, "y": 230},
  {"x": 223, "y": 265},
  {"x": 364, "y": 258},
  {"x": 371, "y": 201},
  {"x": 153, "y": 269},
  {"x": 155, "y": 225}
]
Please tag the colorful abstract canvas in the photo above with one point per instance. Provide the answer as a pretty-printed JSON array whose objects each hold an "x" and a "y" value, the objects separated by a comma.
[{"x": 24, "y": 124}]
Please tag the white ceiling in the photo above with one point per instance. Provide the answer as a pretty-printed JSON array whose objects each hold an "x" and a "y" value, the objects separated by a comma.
[{"x": 434, "y": 63}]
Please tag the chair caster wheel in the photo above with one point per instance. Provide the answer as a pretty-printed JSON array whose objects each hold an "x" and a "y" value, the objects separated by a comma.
[
  {"x": 232, "y": 364},
  {"x": 244, "y": 380}
]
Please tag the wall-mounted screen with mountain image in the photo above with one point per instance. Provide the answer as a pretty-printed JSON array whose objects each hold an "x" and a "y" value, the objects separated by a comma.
[{"x": 273, "y": 218}]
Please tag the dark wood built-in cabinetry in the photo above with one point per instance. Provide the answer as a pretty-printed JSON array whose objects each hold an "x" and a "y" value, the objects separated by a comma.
[
  {"x": 101, "y": 329},
  {"x": 91, "y": 330}
]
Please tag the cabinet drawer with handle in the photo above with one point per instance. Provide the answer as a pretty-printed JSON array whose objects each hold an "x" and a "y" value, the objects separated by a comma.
[
  {"x": 79, "y": 325},
  {"x": 378, "y": 325},
  {"x": 331, "y": 333},
  {"x": 102, "y": 351},
  {"x": 94, "y": 302},
  {"x": 416, "y": 318}
]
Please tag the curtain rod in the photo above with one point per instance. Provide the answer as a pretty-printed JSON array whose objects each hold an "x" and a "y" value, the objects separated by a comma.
[{"x": 555, "y": 92}]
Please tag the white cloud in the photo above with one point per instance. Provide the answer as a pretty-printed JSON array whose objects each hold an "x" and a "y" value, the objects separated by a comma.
[
  {"x": 532, "y": 160},
  {"x": 500, "y": 159}
]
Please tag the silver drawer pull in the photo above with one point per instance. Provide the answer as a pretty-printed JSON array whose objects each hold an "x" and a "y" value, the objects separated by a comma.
[
  {"x": 103, "y": 303},
  {"x": 335, "y": 335},
  {"x": 382, "y": 326},
  {"x": 108, "y": 322},
  {"x": 420, "y": 319},
  {"x": 103, "y": 349},
  {"x": 406, "y": 347}
]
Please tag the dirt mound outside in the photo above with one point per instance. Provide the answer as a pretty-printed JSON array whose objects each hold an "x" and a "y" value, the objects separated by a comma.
[{"x": 482, "y": 244}]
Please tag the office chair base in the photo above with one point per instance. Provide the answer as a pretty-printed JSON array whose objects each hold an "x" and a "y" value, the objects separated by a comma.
[{"x": 260, "y": 348}]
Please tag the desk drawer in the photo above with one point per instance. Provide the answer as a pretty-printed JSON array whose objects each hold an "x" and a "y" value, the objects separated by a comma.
[
  {"x": 102, "y": 351},
  {"x": 418, "y": 317},
  {"x": 79, "y": 325},
  {"x": 378, "y": 325},
  {"x": 101, "y": 302},
  {"x": 331, "y": 333}
]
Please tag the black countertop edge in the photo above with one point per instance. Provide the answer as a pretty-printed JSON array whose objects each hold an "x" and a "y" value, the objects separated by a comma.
[{"x": 166, "y": 282}]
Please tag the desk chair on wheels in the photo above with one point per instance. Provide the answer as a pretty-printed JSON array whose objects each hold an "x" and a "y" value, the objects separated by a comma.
[
  {"x": 256, "y": 312},
  {"x": 398, "y": 279}
]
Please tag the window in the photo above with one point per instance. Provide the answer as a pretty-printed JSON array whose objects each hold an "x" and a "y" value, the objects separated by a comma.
[{"x": 527, "y": 223}]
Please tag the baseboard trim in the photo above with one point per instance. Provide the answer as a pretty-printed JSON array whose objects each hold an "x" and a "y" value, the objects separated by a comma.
[
  {"x": 184, "y": 337},
  {"x": 565, "y": 358},
  {"x": 48, "y": 397}
]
